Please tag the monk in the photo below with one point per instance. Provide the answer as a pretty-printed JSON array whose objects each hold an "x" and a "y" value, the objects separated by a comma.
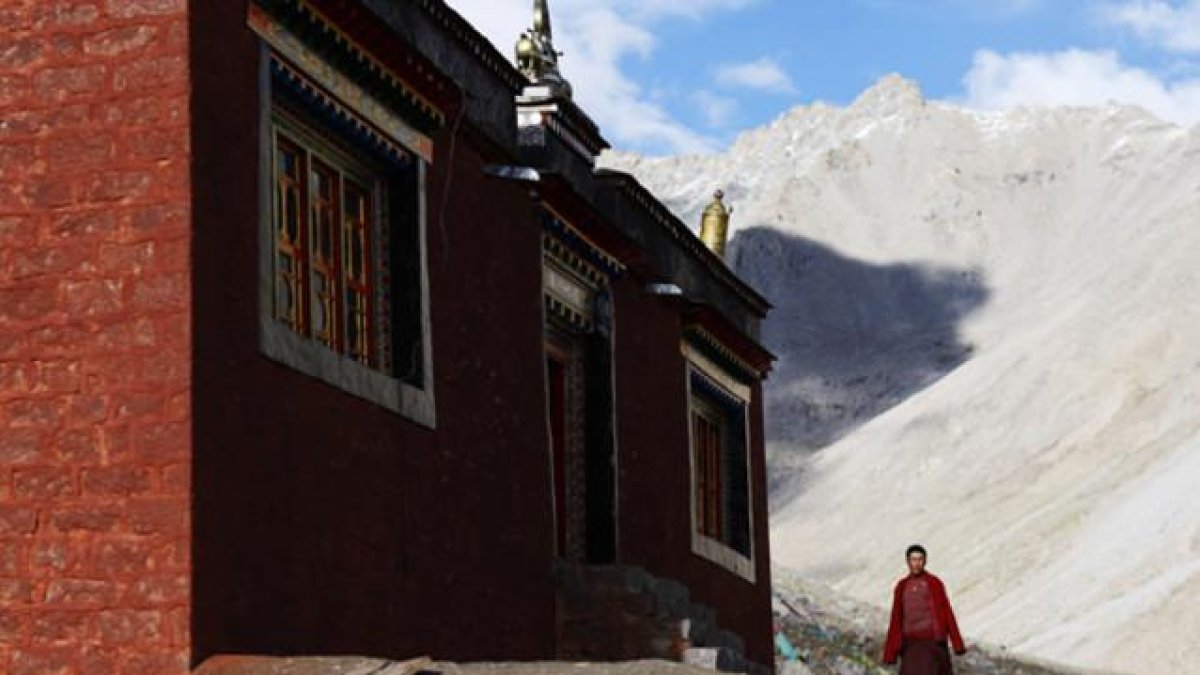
[{"x": 921, "y": 622}]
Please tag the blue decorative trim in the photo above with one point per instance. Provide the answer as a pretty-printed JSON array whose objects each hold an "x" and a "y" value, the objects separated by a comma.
[
  {"x": 338, "y": 50},
  {"x": 580, "y": 246},
  {"x": 712, "y": 390},
  {"x": 709, "y": 346},
  {"x": 334, "y": 117}
]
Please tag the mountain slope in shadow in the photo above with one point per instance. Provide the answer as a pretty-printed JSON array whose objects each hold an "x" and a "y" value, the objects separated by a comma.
[{"x": 853, "y": 338}]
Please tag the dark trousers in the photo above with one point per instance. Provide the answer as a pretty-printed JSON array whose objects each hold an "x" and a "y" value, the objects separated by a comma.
[{"x": 925, "y": 657}]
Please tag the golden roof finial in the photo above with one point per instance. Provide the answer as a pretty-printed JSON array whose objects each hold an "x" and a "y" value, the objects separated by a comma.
[
  {"x": 537, "y": 58},
  {"x": 541, "y": 19},
  {"x": 714, "y": 225}
]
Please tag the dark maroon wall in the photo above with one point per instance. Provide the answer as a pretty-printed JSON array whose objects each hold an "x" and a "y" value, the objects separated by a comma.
[
  {"x": 326, "y": 524},
  {"x": 653, "y": 462}
]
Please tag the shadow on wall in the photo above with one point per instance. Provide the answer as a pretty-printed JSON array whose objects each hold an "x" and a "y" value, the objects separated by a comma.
[{"x": 853, "y": 338}]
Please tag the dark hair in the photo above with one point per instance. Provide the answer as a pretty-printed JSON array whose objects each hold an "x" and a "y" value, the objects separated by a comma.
[{"x": 916, "y": 548}]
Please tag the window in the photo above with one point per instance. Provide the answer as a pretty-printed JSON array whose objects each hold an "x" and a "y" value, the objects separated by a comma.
[
  {"x": 344, "y": 290},
  {"x": 721, "y": 498},
  {"x": 326, "y": 230},
  {"x": 708, "y": 429}
]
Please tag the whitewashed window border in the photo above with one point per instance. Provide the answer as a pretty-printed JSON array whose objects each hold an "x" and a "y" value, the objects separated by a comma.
[{"x": 704, "y": 546}]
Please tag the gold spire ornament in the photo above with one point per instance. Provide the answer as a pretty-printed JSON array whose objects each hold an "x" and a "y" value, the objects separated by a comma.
[
  {"x": 714, "y": 225},
  {"x": 537, "y": 58},
  {"x": 541, "y": 18}
]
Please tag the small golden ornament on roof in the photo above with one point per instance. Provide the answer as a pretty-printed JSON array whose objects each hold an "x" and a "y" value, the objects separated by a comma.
[
  {"x": 537, "y": 58},
  {"x": 714, "y": 226}
]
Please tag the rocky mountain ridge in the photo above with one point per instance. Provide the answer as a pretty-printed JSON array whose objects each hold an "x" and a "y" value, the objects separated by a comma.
[{"x": 988, "y": 328}]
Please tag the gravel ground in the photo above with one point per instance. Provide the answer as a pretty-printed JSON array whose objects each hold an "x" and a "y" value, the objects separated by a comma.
[
  {"x": 832, "y": 634},
  {"x": 559, "y": 668},
  {"x": 838, "y": 636},
  {"x": 244, "y": 665}
]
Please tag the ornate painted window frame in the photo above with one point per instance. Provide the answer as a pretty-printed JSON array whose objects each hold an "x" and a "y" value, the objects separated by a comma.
[
  {"x": 706, "y": 547},
  {"x": 276, "y": 340}
]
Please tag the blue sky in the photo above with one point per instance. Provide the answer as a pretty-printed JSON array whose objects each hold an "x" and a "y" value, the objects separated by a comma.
[{"x": 675, "y": 76}]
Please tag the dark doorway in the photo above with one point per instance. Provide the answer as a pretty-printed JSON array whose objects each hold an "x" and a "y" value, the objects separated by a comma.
[
  {"x": 579, "y": 411},
  {"x": 601, "y": 451},
  {"x": 556, "y": 401}
]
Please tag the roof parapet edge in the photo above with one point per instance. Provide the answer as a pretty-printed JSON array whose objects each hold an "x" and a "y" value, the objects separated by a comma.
[
  {"x": 682, "y": 233},
  {"x": 466, "y": 34},
  {"x": 582, "y": 124}
]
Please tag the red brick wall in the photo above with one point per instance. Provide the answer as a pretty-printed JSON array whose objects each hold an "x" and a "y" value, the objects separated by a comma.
[{"x": 94, "y": 337}]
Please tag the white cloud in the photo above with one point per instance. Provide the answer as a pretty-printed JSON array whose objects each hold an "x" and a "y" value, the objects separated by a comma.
[
  {"x": 596, "y": 43},
  {"x": 764, "y": 74},
  {"x": 1076, "y": 77},
  {"x": 598, "y": 37},
  {"x": 1172, "y": 26},
  {"x": 718, "y": 110}
]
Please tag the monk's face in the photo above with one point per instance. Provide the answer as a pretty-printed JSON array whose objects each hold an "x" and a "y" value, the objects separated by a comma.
[{"x": 916, "y": 562}]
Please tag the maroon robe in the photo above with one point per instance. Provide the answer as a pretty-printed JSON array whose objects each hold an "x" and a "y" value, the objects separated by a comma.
[{"x": 922, "y": 620}]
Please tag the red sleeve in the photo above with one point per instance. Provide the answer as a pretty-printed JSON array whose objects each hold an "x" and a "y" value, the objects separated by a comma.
[
  {"x": 895, "y": 634},
  {"x": 948, "y": 616}
]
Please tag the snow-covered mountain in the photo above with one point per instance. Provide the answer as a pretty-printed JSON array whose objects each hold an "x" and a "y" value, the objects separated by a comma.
[{"x": 989, "y": 331}]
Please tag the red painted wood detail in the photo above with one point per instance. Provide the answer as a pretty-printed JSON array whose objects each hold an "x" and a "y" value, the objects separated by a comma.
[
  {"x": 326, "y": 251},
  {"x": 707, "y": 434}
]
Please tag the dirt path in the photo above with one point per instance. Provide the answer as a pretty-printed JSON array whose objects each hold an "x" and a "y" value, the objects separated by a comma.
[
  {"x": 254, "y": 665},
  {"x": 560, "y": 668}
]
